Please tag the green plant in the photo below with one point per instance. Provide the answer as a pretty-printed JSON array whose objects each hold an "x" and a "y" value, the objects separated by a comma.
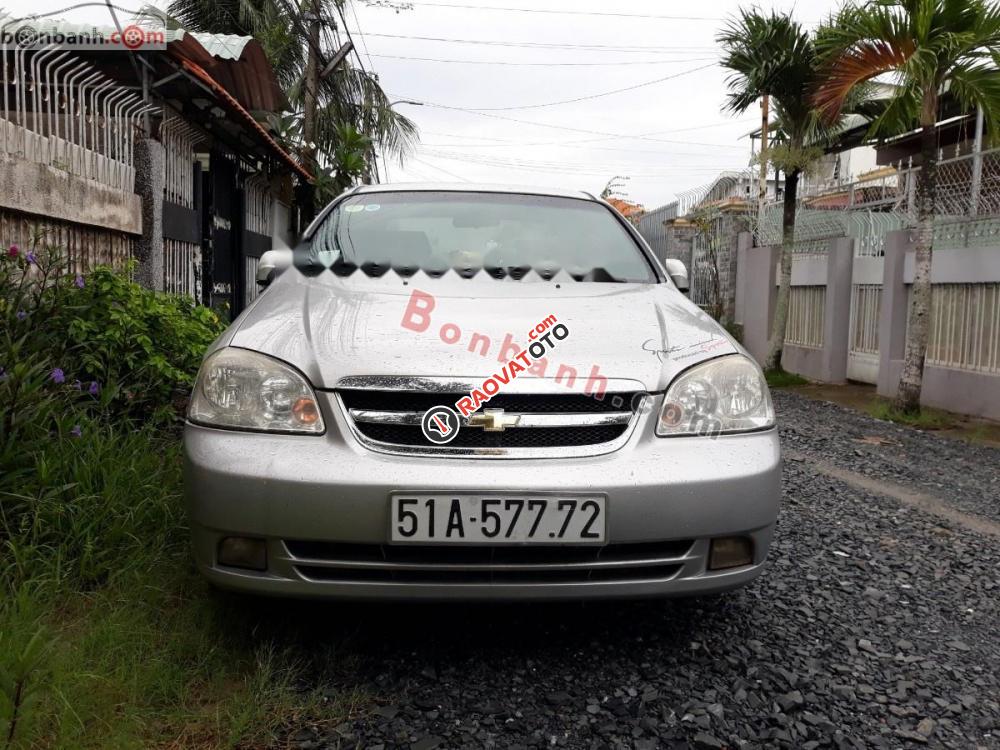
[
  {"x": 772, "y": 55},
  {"x": 21, "y": 682},
  {"x": 782, "y": 379},
  {"x": 706, "y": 222},
  {"x": 108, "y": 638},
  {"x": 132, "y": 351},
  {"x": 348, "y": 96},
  {"x": 90, "y": 369},
  {"x": 929, "y": 47},
  {"x": 927, "y": 419}
]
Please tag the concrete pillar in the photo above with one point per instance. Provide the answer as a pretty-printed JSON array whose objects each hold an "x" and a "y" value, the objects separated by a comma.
[
  {"x": 837, "y": 316},
  {"x": 893, "y": 312},
  {"x": 827, "y": 364},
  {"x": 757, "y": 274},
  {"x": 744, "y": 244},
  {"x": 149, "y": 185}
]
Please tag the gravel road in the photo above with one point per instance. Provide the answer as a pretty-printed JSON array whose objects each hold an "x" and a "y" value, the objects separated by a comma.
[{"x": 874, "y": 625}]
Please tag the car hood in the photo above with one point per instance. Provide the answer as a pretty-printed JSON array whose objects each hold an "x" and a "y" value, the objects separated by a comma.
[{"x": 332, "y": 328}]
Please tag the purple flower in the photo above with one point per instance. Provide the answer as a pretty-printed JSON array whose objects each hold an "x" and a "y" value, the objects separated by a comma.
[
  {"x": 78, "y": 281},
  {"x": 31, "y": 258},
  {"x": 58, "y": 376},
  {"x": 94, "y": 389},
  {"x": 77, "y": 431},
  {"x": 21, "y": 314},
  {"x": 3, "y": 374},
  {"x": 12, "y": 251}
]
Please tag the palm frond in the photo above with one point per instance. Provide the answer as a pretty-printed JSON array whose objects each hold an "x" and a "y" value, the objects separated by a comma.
[
  {"x": 861, "y": 43},
  {"x": 925, "y": 44},
  {"x": 864, "y": 61},
  {"x": 978, "y": 86}
]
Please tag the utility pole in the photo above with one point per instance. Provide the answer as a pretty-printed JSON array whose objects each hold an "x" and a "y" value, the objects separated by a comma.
[
  {"x": 762, "y": 185},
  {"x": 310, "y": 101},
  {"x": 310, "y": 96}
]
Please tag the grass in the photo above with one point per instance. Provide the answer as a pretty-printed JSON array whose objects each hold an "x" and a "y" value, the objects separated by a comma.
[
  {"x": 782, "y": 379},
  {"x": 135, "y": 650},
  {"x": 925, "y": 419}
]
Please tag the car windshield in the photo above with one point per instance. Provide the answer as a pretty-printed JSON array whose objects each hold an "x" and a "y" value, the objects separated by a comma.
[{"x": 504, "y": 235}]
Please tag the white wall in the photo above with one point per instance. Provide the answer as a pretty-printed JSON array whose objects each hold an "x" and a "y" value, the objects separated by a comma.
[{"x": 281, "y": 234}]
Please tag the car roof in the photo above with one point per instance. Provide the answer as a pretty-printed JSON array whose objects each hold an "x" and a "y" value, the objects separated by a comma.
[{"x": 472, "y": 187}]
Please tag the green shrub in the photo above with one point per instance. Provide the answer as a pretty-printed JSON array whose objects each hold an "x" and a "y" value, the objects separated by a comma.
[
  {"x": 91, "y": 370},
  {"x": 107, "y": 636},
  {"x": 136, "y": 351},
  {"x": 782, "y": 379},
  {"x": 925, "y": 418}
]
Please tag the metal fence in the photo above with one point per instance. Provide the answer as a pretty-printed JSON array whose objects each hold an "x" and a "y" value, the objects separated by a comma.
[
  {"x": 967, "y": 185},
  {"x": 61, "y": 111},
  {"x": 178, "y": 138},
  {"x": 965, "y": 327},
  {"x": 806, "y": 313}
]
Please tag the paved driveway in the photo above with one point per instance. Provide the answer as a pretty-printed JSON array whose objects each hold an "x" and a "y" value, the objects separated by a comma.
[{"x": 875, "y": 625}]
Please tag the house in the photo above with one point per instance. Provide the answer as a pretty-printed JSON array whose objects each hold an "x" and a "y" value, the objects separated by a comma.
[
  {"x": 155, "y": 152},
  {"x": 631, "y": 211}
]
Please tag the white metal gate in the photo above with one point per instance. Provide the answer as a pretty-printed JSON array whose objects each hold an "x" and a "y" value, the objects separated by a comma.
[
  {"x": 862, "y": 354},
  {"x": 869, "y": 230}
]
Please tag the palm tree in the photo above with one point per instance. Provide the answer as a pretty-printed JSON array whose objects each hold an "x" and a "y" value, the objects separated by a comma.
[
  {"x": 772, "y": 55},
  {"x": 928, "y": 46},
  {"x": 350, "y": 100}
]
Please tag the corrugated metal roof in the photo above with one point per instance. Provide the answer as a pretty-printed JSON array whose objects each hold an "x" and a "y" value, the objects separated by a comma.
[
  {"x": 234, "y": 66},
  {"x": 237, "y": 62},
  {"x": 223, "y": 46}
]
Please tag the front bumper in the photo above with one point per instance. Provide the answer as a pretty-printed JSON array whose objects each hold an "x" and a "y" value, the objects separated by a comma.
[{"x": 289, "y": 489}]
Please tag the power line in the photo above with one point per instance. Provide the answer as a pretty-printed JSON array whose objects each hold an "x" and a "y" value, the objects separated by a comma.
[
  {"x": 564, "y": 170},
  {"x": 440, "y": 169},
  {"x": 567, "y": 12},
  {"x": 544, "y": 45},
  {"x": 543, "y": 64},
  {"x": 597, "y": 96},
  {"x": 347, "y": 30},
  {"x": 361, "y": 34},
  {"x": 571, "y": 129},
  {"x": 556, "y": 164},
  {"x": 584, "y": 146},
  {"x": 517, "y": 142}
]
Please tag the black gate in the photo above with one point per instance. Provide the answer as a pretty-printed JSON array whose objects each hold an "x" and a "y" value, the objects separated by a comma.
[
  {"x": 221, "y": 231},
  {"x": 231, "y": 249}
]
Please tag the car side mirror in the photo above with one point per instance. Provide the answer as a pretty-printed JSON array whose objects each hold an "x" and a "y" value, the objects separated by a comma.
[
  {"x": 271, "y": 264},
  {"x": 678, "y": 274}
]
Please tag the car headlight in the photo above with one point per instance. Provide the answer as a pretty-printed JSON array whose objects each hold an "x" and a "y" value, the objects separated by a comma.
[
  {"x": 728, "y": 394},
  {"x": 241, "y": 389}
]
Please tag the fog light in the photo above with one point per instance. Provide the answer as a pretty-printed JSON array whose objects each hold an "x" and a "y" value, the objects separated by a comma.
[
  {"x": 730, "y": 552},
  {"x": 240, "y": 552}
]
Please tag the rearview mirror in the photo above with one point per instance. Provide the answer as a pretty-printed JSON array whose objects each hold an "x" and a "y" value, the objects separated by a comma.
[
  {"x": 271, "y": 264},
  {"x": 678, "y": 274}
]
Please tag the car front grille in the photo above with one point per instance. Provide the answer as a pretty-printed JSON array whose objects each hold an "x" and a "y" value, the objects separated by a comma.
[
  {"x": 392, "y": 418},
  {"x": 346, "y": 563}
]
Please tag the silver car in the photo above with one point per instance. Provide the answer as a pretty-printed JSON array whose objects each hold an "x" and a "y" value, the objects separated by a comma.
[{"x": 478, "y": 393}]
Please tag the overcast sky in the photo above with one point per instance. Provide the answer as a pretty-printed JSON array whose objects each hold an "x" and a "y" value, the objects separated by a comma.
[{"x": 496, "y": 76}]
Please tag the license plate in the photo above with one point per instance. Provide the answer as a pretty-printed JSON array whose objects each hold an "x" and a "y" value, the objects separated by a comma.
[{"x": 497, "y": 519}]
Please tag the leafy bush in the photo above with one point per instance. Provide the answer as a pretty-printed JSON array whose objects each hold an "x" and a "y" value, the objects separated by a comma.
[
  {"x": 91, "y": 369},
  {"x": 107, "y": 638},
  {"x": 135, "y": 350}
]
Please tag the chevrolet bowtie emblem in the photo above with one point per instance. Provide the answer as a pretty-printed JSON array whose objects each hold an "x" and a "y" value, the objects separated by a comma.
[{"x": 493, "y": 420}]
